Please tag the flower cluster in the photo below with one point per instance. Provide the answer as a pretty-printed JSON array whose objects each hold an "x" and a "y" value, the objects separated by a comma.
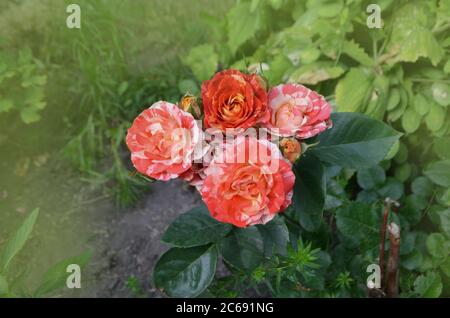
[{"x": 232, "y": 155}]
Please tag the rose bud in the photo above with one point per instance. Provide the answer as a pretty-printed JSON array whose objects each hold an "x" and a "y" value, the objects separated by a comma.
[
  {"x": 291, "y": 149},
  {"x": 189, "y": 104}
]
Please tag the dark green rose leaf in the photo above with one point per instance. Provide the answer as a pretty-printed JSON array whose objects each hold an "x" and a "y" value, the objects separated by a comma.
[
  {"x": 275, "y": 236},
  {"x": 194, "y": 228},
  {"x": 355, "y": 141},
  {"x": 243, "y": 248},
  {"x": 309, "y": 192},
  {"x": 185, "y": 272}
]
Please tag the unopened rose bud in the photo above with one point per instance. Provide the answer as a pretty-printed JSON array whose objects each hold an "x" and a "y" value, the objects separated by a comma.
[
  {"x": 189, "y": 104},
  {"x": 291, "y": 148}
]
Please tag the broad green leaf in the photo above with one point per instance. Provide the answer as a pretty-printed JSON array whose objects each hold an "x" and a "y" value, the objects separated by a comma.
[
  {"x": 445, "y": 266},
  {"x": 444, "y": 217},
  {"x": 394, "y": 99},
  {"x": 441, "y": 93},
  {"x": 18, "y": 240},
  {"x": 422, "y": 186},
  {"x": 278, "y": 68},
  {"x": 442, "y": 147},
  {"x": 203, "y": 61},
  {"x": 408, "y": 242},
  {"x": 5, "y": 105},
  {"x": 435, "y": 119},
  {"x": 412, "y": 208},
  {"x": 428, "y": 285},
  {"x": 447, "y": 67},
  {"x": 309, "y": 192},
  {"x": 275, "y": 236},
  {"x": 29, "y": 115},
  {"x": 242, "y": 25},
  {"x": 355, "y": 141},
  {"x": 194, "y": 228},
  {"x": 370, "y": 178},
  {"x": 315, "y": 73},
  {"x": 439, "y": 172},
  {"x": 185, "y": 272},
  {"x": 351, "y": 91},
  {"x": 4, "y": 287},
  {"x": 437, "y": 245},
  {"x": 411, "y": 120},
  {"x": 188, "y": 86},
  {"x": 356, "y": 52},
  {"x": 421, "y": 104},
  {"x": 393, "y": 189},
  {"x": 243, "y": 248},
  {"x": 412, "y": 261},
  {"x": 411, "y": 37},
  {"x": 358, "y": 222},
  {"x": 55, "y": 278}
]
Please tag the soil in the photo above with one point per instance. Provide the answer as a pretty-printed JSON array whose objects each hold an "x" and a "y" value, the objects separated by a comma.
[{"x": 129, "y": 241}]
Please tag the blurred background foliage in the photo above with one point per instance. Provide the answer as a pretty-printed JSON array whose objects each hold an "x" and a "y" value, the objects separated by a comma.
[{"x": 68, "y": 95}]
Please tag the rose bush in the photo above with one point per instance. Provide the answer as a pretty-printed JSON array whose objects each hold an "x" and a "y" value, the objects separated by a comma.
[{"x": 245, "y": 179}]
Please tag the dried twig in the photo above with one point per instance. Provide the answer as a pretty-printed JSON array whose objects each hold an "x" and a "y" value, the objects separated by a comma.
[{"x": 392, "y": 267}]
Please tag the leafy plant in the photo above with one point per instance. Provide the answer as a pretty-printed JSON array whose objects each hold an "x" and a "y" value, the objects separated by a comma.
[
  {"x": 398, "y": 74},
  {"x": 53, "y": 279},
  {"x": 274, "y": 254}
]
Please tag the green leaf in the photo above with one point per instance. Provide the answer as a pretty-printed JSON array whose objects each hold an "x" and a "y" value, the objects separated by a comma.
[
  {"x": 309, "y": 192},
  {"x": 18, "y": 240},
  {"x": 188, "y": 86},
  {"x": 356, "y": 52},
  {"x": 315, "y": 73},
  {"x": 411, "y": 120},
  {"x": 55, "y": 278},
  {"x": 442, "y": 147},
  {"x": 194, "y": 228},
  {"x": 393, "y": 189},
  {"x": 447, "y": 67},
  {"x": 242, "y": 25},
  {"x": 29, "y": 115},
  {"x": 6, "y": 105},
  {"x": 394, "y": 99},
  {"x": 444, "y": 217},
  {"x": 445, "y": 266},
  {"x": 185, "y": 272},
  {"x": 412, "y": 261},
  {"x": 441, "y": 93},
  {"x": 275, "y": 236},
  {"x": 439, "y": 172},
  {"x": 435, "y": 119},
  {"x": 203, "y": 61},
  {"x": 358, "y": 222},
  {"x": 243, "y": 248},
  {"x": 352, "y": 90},
  {"x": 421, "y": 104},
  {"x": 428, "y": 285},
  {"x": 4, "y": 288},
  {"x": 355, "y": 141},
  {"x": 422, "y": 186},
  {"x": 437, "y": 245},
  {"x": 370, "y": 178}
]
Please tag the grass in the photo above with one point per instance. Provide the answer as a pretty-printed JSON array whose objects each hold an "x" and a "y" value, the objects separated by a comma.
[{"x": 125, "y": 57}]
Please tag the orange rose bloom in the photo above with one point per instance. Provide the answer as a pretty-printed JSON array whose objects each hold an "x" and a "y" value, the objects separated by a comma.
[
  {"x": 232, "y": 99},
  {"x": 249, "y": 184}
]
